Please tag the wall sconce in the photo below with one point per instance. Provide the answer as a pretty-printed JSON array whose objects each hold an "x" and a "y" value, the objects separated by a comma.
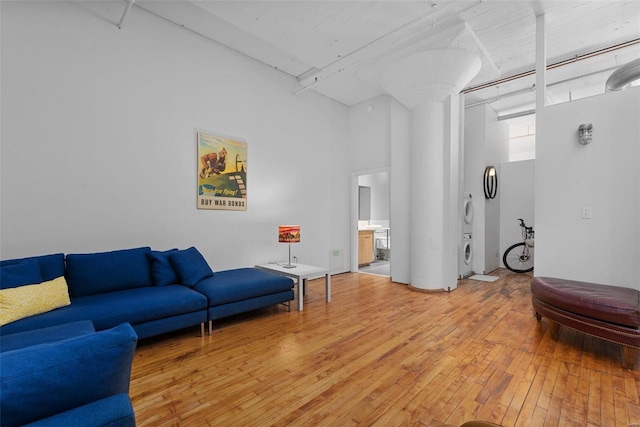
[
  {"x": 490, "y": 182},
  {"x": 584, "y": 133}
]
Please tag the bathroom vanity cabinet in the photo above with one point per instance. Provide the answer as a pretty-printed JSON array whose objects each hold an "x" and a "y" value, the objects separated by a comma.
[{"x": 365, "y": 247}]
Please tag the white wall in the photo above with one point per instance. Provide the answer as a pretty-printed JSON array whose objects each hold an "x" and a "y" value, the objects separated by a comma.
[
  {"x": 400, "y": 194},
  {"x": 603, "y": 176},
  {"x": 370, "y": 126},
  {"x": 99, "y": 151},
  {"x": 380, "y": 141},
  {"x": 497, "y": 153},
  {"x": 379, "y": 184},
  {"x": 474, "y": 164},
  {"x": 516, "y": 201},
  {"x": 485, "y": 143}
]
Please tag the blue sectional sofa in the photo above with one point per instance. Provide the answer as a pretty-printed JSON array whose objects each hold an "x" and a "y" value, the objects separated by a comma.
[
  {"x": 155, "y": 291},
  {"x": 108, "y": 288},
  {"x": 56, "y": 370},
  {"x": 67, "y": 375}
]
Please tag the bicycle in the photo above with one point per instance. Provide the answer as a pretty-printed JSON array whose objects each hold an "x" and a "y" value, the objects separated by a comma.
[{"x": 519, "y": 257}]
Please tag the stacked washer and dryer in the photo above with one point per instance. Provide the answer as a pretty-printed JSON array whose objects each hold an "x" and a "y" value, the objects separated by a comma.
[{"x": 465, "y": 268}]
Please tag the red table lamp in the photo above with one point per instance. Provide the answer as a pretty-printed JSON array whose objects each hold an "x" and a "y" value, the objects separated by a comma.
[{"x": 289, "y": 234}]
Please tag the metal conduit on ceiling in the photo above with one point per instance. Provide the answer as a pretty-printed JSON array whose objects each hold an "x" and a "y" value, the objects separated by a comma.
[{"x": 552, "y": 66}]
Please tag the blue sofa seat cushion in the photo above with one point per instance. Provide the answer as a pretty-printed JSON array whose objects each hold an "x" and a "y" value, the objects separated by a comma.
[
  {"x": 140, "y": 305},
  {"x": 45, "y": 335},
  {"x": 240, "y": 284},
  {"x": 113, "y": 411},
  {"x": 135, "y": 306},
  {"x": 48, "y": 379},
  {"x": 97, "y": 273},
  {"x": 51, "y": 266}
]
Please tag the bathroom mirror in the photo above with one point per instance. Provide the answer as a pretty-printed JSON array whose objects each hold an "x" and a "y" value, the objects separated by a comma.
[{"x": 364, "y": 203}]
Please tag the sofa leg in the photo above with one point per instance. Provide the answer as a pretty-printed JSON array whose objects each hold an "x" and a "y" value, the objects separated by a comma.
[
  {"x": 630, "y": 356},
  {"x": 210, "y": 326},
  {"x": 202, "y": 329}
]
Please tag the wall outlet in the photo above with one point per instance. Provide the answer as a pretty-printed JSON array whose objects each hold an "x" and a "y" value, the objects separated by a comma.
[{"x": 586, "y": 213}]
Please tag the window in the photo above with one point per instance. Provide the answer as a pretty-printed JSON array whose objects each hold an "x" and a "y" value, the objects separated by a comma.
[{"x": 522, "y": 138}]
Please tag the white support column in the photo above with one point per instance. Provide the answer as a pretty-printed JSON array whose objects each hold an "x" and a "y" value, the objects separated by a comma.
[
  {"x": 452, "y": 210},
  {"x": 541, "y": 64},
  {"x": 427, "y": 195},
  {"x": 425, "y": 83}
]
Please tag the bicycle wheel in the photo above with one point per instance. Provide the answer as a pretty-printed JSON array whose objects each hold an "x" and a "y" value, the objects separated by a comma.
[{"x": 517, "y": 259}]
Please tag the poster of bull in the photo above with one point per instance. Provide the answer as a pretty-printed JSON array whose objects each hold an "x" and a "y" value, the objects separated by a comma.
[{"x": 222, "y": 172}]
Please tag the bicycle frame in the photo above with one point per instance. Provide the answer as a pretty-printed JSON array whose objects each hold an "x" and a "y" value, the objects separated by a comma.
[{"x": 527, "y": 234}]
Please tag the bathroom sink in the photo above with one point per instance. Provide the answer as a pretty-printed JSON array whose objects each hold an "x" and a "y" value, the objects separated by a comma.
[{"x": 369, "y": 227}]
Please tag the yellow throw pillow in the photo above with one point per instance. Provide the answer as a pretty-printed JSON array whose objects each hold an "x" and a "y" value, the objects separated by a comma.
[{"x": 29, "y": 300}]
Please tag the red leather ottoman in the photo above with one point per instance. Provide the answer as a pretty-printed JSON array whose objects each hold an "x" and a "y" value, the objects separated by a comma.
[{"x": 607, "y": 312}]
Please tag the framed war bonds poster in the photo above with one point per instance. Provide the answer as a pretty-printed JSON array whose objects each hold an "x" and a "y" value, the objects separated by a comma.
[{"x": 222, "y": 173}]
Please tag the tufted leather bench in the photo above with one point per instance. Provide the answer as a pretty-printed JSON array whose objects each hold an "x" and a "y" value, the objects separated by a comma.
[{"x": 608, "y": 312}]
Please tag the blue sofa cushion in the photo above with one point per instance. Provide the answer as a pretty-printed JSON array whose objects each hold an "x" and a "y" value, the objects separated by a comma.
[
  {"x": 26, "y": 272},
  {"x": 97, "y": 273},
  {"x": 114, "y": 411},
  {"x": 162, "y": 271},
  {"x": 241, "y": 284},
  {"x": 134, "y": 306},
  {"x": 47, "y": 379},
  {"x": 51, "y": 266},
  {"x": 190, "y": 266},
  {"x": 45, "y": 335}
]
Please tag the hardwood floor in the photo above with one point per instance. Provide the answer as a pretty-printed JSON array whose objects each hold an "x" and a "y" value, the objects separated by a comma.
[{"x": 381, "y": 354}]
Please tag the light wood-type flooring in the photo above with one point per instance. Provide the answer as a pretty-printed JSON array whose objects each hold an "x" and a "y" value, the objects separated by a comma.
[{"x": 382, "y": 355}]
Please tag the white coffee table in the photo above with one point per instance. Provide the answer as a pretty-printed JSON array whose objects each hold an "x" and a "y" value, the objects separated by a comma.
[{"x": 301, "y": 273}]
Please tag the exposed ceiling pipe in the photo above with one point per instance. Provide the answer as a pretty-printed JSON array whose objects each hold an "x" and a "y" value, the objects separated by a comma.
[
  {"x": 516, "y": 115},
  {"x": 502, "y": 96},
  {"x": 623, "y": 76},
  {"x": 125, "y": 12},
  {"x": 204, "y": 36},
  {"x": 304, "y": 88},
  {"x": 552, "y": 66},
  {"x": 533, "y": 88}
]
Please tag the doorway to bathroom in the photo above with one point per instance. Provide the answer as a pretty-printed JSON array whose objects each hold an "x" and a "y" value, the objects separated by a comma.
[{"x": 373, "y": 248}]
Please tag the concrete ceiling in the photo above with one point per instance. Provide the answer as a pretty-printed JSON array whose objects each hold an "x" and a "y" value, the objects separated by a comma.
[{"x": 331, "y": 47}]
